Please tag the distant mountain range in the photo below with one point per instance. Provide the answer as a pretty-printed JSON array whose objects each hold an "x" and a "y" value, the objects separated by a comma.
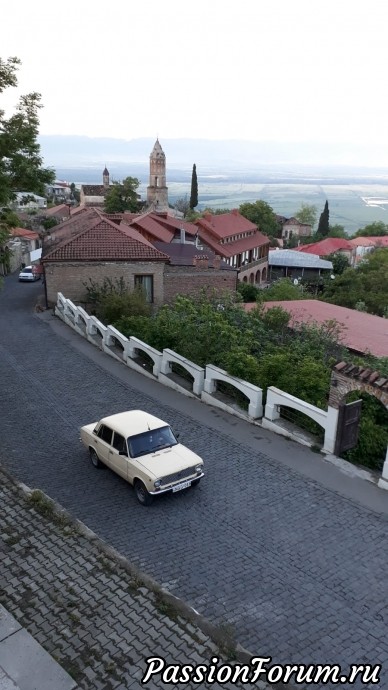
[{"x": 220, "y": 157}]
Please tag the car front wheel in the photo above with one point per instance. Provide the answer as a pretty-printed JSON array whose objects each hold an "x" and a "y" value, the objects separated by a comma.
[
  {"x": 94, "y": 458},
  {"x": 142, "y": 494}
]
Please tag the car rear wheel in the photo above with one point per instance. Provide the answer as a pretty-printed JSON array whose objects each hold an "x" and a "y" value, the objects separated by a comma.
[
  {"x": 142, "y": 494},
  {"x": 94, "y": 458}
]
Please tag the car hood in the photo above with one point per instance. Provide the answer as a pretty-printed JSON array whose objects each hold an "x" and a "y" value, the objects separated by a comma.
[{"x": 169, "y": 460}]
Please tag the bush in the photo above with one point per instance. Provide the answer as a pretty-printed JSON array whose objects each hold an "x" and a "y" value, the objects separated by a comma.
[{"x": 112, "y": 307}]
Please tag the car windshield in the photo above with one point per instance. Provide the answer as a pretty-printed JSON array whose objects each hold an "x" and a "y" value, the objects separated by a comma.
[
  {"x": 151, "y": 441},
  {"x": 27, "y": 270}
]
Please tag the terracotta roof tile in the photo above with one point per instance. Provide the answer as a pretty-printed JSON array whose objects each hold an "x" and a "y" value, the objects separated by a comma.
[
  {"x": 225, "y": 224},
  {"x": 329, "y": 245},
  {"x": 361, "y": 332},
  {"x": 24, "y": 233},
  {"x": 96, "y": 238},
  {"x": 370, "y": 241}
]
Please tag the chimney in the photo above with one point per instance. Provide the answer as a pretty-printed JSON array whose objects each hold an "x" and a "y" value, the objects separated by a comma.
[
  {"x": 208, "y": 216},
  {"x": 183, "y": 236},
  {"x": 235, "y": 211},
  {"x": 217, "y": 262}
]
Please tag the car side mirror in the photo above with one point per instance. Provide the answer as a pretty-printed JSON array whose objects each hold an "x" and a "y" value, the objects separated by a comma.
[{"x": 177, "y": 435}]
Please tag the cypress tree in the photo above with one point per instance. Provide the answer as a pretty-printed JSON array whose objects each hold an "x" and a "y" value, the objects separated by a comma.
[
  {"x": 194, "y": 188},
  {"x": 323, "y": 225}
]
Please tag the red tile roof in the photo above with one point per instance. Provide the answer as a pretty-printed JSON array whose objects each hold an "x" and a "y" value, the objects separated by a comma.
[
  {"x": 370, "y": 241},
  {"x": 24, "y": 233},
  {"x": 232, "y": 248},
  {"x": 61, "y": 210},
  {"x": 225, "y": 224},
  {"x": 361, "y": 332},
  {"x": 161, "y": 226},
  {"x": 91, "y": 237},
  {"x": 329, "y": 245}
]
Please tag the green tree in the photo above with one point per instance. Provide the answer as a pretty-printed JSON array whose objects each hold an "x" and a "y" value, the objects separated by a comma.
[
  {"x": 20, "y": 160},
  {"x": 323, "y": 225},
  {"x": 340, "y": 262},
  {"x": 282, "y": 289},
  {"x": 182, "y": 205},
  {"x": 307, "y": 213},
  {"x": 194, "y": 188},
  {"x": 338, "y": 231},
  {"x": 366, "y": 285},
  {"x": 123, "y": 196},
  {"x": 49, "y": 223},
  {"x": 262, "y": 215},
  {"x": 376, "y": 229},
  {"x": 248, "y": 292},
  {"x": 75, "y": 194}
]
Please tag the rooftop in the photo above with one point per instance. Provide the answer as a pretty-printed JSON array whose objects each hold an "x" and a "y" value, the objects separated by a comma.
[
  {"x": 292, "y": 258},
  {"x": 92, "y": 237},
  {"x": 329, "y": 245},
  {"x": 370, "y": 241},
  {"x": 361, "y": 332},
  {"x": 226, "y": 224}
]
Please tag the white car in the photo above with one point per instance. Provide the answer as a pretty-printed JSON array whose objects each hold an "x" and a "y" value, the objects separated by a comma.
[
  {"x": 28, "y": 274},
  {"x": 143, "y": 450}
]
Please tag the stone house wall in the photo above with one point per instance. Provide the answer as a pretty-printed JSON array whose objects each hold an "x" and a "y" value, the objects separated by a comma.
[
  {"x": 68, "y": 277},
  {"x": 190, "y": 280}
]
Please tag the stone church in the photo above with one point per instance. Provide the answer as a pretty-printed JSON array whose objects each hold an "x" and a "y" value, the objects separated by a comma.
[{"x": 157, "y": 190}]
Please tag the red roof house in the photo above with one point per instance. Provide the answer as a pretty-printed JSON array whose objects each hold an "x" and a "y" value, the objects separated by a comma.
[
  {"x": 330, "y": 245},
  {"x": 238, "y": 241}
]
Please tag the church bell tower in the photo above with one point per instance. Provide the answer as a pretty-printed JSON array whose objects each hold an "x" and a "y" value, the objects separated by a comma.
[{"x": 157, "y": 191}]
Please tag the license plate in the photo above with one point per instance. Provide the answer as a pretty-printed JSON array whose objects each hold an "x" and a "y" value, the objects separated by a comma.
[{"x": 183, "y": 485}]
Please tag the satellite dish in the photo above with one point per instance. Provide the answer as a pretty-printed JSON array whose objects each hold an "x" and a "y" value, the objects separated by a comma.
[
  {"x": 296, "y": 281},
  {"x": 332, "y": 277}
]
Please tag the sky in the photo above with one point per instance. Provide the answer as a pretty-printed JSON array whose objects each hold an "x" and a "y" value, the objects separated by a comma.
[{"x": 261, "y": 70}]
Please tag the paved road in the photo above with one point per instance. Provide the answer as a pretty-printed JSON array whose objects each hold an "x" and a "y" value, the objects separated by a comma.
[{"x": 297, "y": 569}]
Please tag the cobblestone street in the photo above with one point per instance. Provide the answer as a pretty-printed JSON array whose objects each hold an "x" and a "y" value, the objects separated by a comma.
[
  {"x": 93, "y": 614},
  {"x": 295, "y": 569}
]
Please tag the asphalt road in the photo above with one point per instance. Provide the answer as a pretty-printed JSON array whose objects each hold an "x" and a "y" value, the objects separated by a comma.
[{"x": 274, "y": 543}]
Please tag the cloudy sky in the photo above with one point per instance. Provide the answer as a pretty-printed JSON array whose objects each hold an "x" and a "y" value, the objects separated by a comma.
[{"x": 284, "y": 70}]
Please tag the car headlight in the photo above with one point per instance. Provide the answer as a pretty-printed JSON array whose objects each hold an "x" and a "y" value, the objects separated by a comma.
[
  {"x": 158, "y": 484},
  {"x": 198, "y": 469}
]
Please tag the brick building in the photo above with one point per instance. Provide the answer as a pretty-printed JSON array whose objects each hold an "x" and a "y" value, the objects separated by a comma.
[{"x": 91, "y": 246}]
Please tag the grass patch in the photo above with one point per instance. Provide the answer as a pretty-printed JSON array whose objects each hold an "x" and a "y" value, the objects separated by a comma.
[
  {"x": 165, "y": 608},
  {"x": 46, "y": 507}
]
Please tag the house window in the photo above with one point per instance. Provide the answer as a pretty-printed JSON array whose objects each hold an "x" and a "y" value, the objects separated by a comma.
[{"x": 146, "y": 284}]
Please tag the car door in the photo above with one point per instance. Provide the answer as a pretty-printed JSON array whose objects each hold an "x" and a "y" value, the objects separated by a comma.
[
  {"x": 104, "y": 435},
  {"x": 118, "y": 461}
]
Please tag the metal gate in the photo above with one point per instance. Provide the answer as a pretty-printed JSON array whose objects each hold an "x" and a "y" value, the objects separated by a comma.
[{"x": 348, "y": 426}]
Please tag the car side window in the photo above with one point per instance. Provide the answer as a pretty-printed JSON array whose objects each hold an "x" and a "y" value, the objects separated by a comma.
[
  {"x": 105, "y": 434},
  {"x": 119, "y": 443}
]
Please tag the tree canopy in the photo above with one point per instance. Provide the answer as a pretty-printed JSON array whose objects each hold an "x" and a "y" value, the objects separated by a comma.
[
  {"x": 376, "y": 229},
  {"x": 20, "y": 161},
  {"x": 367, "y": 285},
  {"x": 122, "y": 196},
  {"x": 261, "y": 214},
  {"x": 307, "y": 213}
]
